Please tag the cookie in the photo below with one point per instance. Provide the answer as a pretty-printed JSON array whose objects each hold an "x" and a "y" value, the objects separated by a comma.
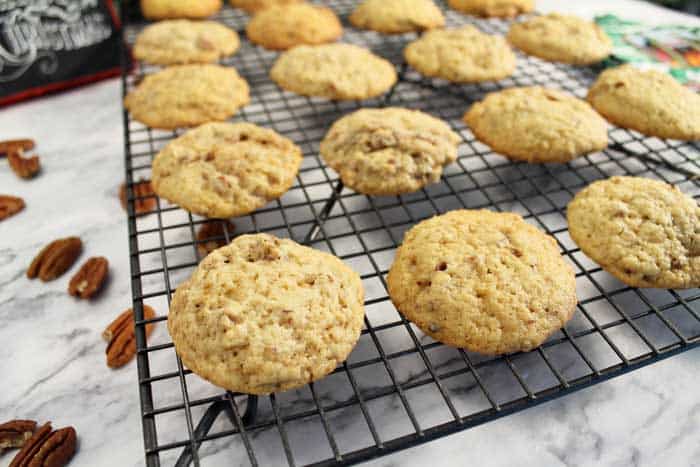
[
  {"x": 252, "y": 6},
  {"x": 284, "y": 26},
  {"x": 187, "y": 95},
  {"x": 173, "y": 9},
  {"x": 224, "y": 170},
  {"x": 178, "y": 42},
  {"x": 493, "y": 8},
  {"x": 535, "y": 124},
  {"x": 397, "y": 16},
  {"x": 263, "y": 314},
  {"x": 642, "y": 231},
  {"x": 333, "y": 71},
  {"x": 461, "y": 55},
  {"x": 561, "y": 38},
  {"x": 484, "y": 281},
  {"x": 389, "y": 151},
  {"x": 650, "y": 102}
]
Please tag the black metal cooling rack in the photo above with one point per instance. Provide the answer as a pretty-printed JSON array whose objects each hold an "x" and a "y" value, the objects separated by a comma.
[{"x": 399, "y": 388}]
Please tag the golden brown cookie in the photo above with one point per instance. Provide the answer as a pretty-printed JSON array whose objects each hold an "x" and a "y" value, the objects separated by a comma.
[
  {"x": 333, "y": 71},
  {"x": 284, "y": 26},
  {"x": 252, "y": 6},
  {"x": 178, "y": 42},
  {"x": 174, "y": 9},
  {"x": 644, "y": 232},
  {"x": 187, "y": 95},
  {"x": 650, "y": 102},
  {"x": 389, "y": 151},
  {"x": 223, "y": 170},
  {"x": 535, "y": 124},
  {"x": 461, "y": 55},
  {"x": 488, "y": 282},
  {"x": 493, "y": 8},
  {"x": 263, "y": 314},
  {"x": 561, "y": 38},
  {"x": 397, "y": 16}
]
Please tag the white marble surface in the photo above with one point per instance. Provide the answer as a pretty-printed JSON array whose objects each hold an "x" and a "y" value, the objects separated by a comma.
[{"x": 52, "y": 356}]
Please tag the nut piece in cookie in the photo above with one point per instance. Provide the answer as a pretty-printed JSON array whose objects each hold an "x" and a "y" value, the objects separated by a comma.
[
  {"x": 173, "y": 9},
  {"x": 284, "y": 26},
  {"x": 537, "y": 125},
  {"x": 397, "y": 16},
  {"x": 333, "y": 71},
  {"x": 389, "y": 151},
  {"x": 179, "y": 42},
  {"x": 461, "y": 55},
  {"x": 223, "y": 170},
  {"x": 264, "y": 314},
  {"x": 644, "y": 232},
  {"x": 488, "y": 282},
  {"x": 651, "y": 102},
  {"x": 493, "y": 8}
]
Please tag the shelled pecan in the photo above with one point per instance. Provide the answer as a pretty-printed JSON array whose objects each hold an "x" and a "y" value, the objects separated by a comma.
[
  {"x": 14, "y": 145},
  {"x": 122, "y": 337},
  {"x": 10, "y": 205},
  {"x": 55, "y": 259},
  {"x": 144, "y": 197},
  {"x": 211, "y": 235},
  {"x": 47, "y": 448},
  {"x": 15, "y": 433},
  {"x": 24, "y": 167},
  {"x": 89, "y": 279}
]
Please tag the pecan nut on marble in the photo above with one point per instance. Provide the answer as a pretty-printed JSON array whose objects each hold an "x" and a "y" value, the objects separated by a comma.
[
  {"x": 23, "y": 167},
  {"x": 144, "y": 197},
  {"x": 90, "y": 278},
  {"x": 47, "y": 448},
  {"x": 211, "y": 235},
  {"x": 15, "y": 433},
  {"x": 122, "y": 338},
  {"x": 14, "y": 145},
  {"x": 55, "y": 259},
  {"x": 10, "y": 205}
]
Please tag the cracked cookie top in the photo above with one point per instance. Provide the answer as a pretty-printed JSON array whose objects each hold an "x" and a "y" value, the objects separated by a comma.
[
  {"x": 485, "y": 281},
  {"x": 461, "y": 55},
  {"x": 263, "y": 314},
  {"x": 223, "y": 170},
  {"x": 397, "y": 16},
  {"x": 642, "y": 231},
  {"x": 389, "y": 151}
]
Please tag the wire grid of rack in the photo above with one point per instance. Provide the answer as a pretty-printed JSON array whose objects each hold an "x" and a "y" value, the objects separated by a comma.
[{"x": 398, "y": 388}]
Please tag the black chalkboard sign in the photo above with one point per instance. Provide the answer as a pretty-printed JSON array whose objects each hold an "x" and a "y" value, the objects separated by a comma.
[{"x": 48, "y": 45}]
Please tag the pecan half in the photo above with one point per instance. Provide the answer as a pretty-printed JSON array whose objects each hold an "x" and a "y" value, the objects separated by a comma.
[
  {"x": 55, "y": 259},
  {"x": 10, "y": 205},
  {"x": 24, "y": 167},
  {"x": 144, "y": 197},
  {"x": 14, "y": 145},
  {"x": 122, "y": 337},
  {"x": 211, "y": 235},
  {"x": 89, "y": 279},
  {"x": 14, "y": 433},
  {"x": 47, "y": 448}
]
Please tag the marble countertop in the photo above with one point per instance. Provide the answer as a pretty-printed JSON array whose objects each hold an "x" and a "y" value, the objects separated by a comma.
[{"x": 52, "y": 356}]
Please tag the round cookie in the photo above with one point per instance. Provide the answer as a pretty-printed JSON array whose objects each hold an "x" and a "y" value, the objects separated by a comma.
[
  {"x": 389, "y": 151},
  {"x": 177, "y": 42},
  {"x": 397, "y": 16},
  {"x": 461, "y": 55},
  {"x": 650, "y": 102},
  {"x": 535, "y": 124},
  {"x": 333, "y": 71},
  {"x": 174, "y": 9},
  {"x": 263, "y": 314},
  {"x": 561, "y": 38},
  {"x": 187, "y": 95},
  {"x": 252, "y": 6},
  {"x": 488, "y": 282},
  {"x": 284, "y": 26},
  {"x": 224, "y": 170},
  {"x": 644, "y": 232},
  {"x": 493, "y": 8}
]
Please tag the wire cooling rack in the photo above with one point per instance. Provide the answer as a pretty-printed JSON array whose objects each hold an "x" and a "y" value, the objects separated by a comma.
[{"x": 398, "y": 388}]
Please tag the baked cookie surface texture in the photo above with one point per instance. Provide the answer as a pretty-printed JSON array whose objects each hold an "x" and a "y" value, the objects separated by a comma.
[
  {"x": 493, "y": 8},
  {"x": 284, "y": 26},
  {"x": 397, "y": 16}
]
